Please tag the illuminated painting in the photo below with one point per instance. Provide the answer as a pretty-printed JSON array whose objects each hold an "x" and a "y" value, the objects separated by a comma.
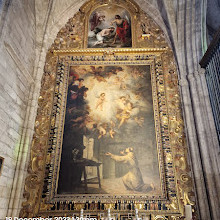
[
  {"x": 109, "y": 142},
  {"x": 109, "y": 27}
]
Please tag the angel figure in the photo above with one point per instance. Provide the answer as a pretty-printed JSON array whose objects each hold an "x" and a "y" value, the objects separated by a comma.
[
  {"x": 96, "y": 20},
  {"x": 97, "y": 72},
  {"x": 102, "y": 130},
  {"x": 125, "y": 114},
  {"x": 121, "y": 102},
  {"x": 136, "y": 74},
  {"x": 112, "y": 131},
  {"x": 117, "y": 81},
  {"x": 100, "y": 101},
  {"x": 138, "y": 95},
  {"x": 139, "y": 121}
]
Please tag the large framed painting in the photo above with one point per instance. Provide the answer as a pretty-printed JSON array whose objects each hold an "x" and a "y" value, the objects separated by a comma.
[
  {"x": 112, "y": 140},
  {"x": 106, "y": 129},
  {"x": 109, "y": 139},
  {"x": 109, "y": 26}
]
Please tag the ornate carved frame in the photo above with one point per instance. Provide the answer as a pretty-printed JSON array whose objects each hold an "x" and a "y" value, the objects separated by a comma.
[
  {"x": 58, "y": 116},
  {"x": 45, "y": 150}
]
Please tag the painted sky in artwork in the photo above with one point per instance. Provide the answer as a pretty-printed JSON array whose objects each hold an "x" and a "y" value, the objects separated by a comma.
[
  {"x": 110, "y": 120},
  {"x": 118, "y": 96}
]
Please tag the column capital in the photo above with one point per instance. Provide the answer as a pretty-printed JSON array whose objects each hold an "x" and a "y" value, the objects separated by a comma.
[
  {"x": 200, "y": 71},
  {"x": 191, "y": 76},
  {"x": 183, "y": 82},
  {"x": 196, "y": 74}
]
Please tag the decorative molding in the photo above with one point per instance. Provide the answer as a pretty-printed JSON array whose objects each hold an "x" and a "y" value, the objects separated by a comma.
[{"x": 109, "y": 51}]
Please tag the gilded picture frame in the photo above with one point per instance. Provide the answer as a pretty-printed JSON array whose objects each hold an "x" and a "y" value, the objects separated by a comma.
[
  {"x": 162, "y": 204},
  {"x": 56, "y": 166}
]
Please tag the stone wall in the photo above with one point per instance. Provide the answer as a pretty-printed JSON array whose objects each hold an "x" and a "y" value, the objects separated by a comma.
[{"x": 17, "y": 52}]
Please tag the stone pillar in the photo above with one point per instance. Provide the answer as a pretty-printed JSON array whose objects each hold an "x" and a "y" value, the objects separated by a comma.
[
  {"x": 196, "y": 163},
  {"x": 202, "y": 144},
  {"x": 207, "y": 142},
  {"x": 23, "y": 158}
]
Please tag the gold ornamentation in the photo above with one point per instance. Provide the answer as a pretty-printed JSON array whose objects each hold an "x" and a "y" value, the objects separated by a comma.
[
  {"x": 160, "y": 217},
  {"x": 79, "y": 206},
  {"x": 69, "y": 46},
  {"x": 35, "y": 178}
]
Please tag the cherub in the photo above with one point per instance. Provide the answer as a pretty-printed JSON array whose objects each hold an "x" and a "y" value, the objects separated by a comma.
[
  {"x": 98, "y": 73},
  {"x": 102, "y": 130},
  {"x": 117, "y": 81},
  {"x": 125, "y": 114},
  {"x": 100, "y": 101},
  {"x": 138, "y": 95},
  {"x": 140, "y": 121},
  {"x": 96, "y": 20},
  {"x": 123, "y": 86},
  {"x": 136, "y": 74},
  {"x": 121, "y": 102},
  {"x": 112, "y": 131}
]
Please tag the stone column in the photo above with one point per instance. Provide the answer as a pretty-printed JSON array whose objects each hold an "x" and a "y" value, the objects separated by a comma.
[
  {"x": 202, "y": 144},
  {"x": 16, "y": 197},
  {"x": 194, "y": 152},
  {"x": 206, "y": 140}
]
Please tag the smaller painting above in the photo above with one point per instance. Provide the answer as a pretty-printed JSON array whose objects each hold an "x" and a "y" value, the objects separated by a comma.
[{"x": 109, "y": 26}]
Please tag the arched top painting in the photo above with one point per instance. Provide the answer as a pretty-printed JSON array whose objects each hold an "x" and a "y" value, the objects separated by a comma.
[{"x": 109, "y": 26}]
